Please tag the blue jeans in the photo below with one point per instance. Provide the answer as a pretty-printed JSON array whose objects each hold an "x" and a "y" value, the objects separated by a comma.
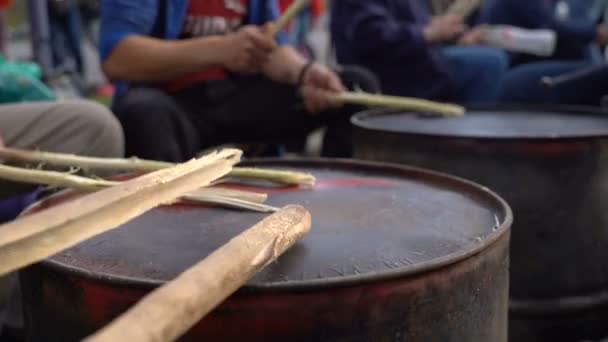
[
  {"x": 66, "y": 36},
  {"x": 522, "y": 84},
  {"x": 477, "y": 71}
]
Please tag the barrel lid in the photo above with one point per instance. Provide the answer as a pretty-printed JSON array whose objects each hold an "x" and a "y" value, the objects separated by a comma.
[
  {"x": 370, "y": 221},
  {"x": 503, "y": 122}
]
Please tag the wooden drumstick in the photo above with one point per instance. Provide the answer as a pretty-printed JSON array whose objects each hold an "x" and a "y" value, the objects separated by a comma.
[
  {"x": 38, "y": 236},
  {"x": 290, "y": 13},
  {"x": 171, "y": 310}
]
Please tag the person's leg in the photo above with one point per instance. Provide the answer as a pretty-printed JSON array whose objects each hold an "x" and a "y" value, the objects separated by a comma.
[
  {"x": 76, "y": 127},
  {"x": 477, "y": 71},
  {"x": 259, "y": 110},
  {"x": 80, "y": 127},
  {"x": 522, "y": 84},
  {"x": 156, "y": 127},
  {"x": 58, "y": 41},
  {"x": 338, "y": 135},
  {"x": 73, "y": 30}
]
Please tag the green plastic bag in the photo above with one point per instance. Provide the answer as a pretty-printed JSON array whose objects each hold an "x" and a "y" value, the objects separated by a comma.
[{"x": 20, "y": 82}]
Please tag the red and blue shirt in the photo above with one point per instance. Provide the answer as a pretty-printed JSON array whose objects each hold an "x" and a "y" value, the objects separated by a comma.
[
  {"x": 210, "y": 18},
  {"x": 168, "y": 19}
]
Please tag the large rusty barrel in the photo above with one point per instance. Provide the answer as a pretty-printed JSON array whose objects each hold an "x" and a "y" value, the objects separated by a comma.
[
  {"x": 551, "y": 166},
  {"x": 395, "y": 254}
]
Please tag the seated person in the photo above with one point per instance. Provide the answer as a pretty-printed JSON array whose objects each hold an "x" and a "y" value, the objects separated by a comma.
[
  {"x": 573, "y": 35},
  {"x": 401, "y": 43},
  {"x": 75, "y": 127},
  {"x": 199, "y": 73},
  {"x": 522, "y": 84}
]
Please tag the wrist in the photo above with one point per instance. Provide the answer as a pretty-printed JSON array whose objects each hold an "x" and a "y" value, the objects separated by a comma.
[
  {"x": 302, "y": 73},
  {"x": 216, "y": 50}
]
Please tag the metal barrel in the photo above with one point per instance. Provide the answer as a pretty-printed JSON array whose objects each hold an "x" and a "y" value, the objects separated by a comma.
[
  {"x": 551, "y": 165},
  {"x": 395, "y": 254}
]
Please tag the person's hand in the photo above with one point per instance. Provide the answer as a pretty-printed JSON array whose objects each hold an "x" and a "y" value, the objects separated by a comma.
[
  {"x": 474, "y": 36},
  {"x": 602, "y": 34},
  {"x": 443, "y": 29},
  {"x": 248, "y": 49},
  {"x": 319, "y": 85}
]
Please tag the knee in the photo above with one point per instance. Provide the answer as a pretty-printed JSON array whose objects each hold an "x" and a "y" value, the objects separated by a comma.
[
  {"x": 356, "y": 77},
  {"x": 138, "y": 104},
  {"x": 494, "y": 61},
  {"x": 97, "y": 126}
]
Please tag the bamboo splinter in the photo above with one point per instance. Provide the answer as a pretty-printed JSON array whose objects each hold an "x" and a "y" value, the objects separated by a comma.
[
  {"x": 168, "y": 312},
  {"x": 36, "y": 237}
]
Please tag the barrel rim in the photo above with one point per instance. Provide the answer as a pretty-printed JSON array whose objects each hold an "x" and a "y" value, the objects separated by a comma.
[
  {"x": 480, "y": 193},
  {"x": 359, "y": 122}
]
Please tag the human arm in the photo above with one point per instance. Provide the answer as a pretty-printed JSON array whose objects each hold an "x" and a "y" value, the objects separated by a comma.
[
  {"x": 129, "y": 53},
  {"x": 145, "y": 59},
  {"x": 474, "y": 36},
  {"x": 316, "y": 82},
  {"x": 373, "y": 31}
]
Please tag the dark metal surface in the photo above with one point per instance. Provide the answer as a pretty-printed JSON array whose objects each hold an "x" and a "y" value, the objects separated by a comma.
[
  {"x": 367, "y": 223},
  {"x": 395, "y": 254},
  {"x": 488, "y": 123},
  {"x": 554, "y": 176}
]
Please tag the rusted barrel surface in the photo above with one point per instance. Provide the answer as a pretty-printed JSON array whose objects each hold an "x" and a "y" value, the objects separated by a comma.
[
  {"x": 552, "y": 168},
  {"x": 395, "y": 254}
]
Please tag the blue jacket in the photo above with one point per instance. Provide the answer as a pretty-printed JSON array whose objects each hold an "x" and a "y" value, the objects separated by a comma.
[
  {"x": 122, "y": 18},
  {"x": 386, "y": 37}
]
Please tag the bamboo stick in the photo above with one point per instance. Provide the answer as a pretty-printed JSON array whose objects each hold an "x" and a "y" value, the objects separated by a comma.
[
  {"x": 171, "y": 310},
  {"x": 227, "y": 197},
  {"x": 464, "y": 8},
  {"x": 289, "y": 14},
  {"x": 403, "y": 103},
  {"x": 87, "y": 163},
  {"x": 38, "y": 236},
  {"x": 142, "y": 165},
  {"x": 52, "y": 178}
]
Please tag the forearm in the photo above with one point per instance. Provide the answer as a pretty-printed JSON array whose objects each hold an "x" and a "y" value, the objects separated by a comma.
[
  {"x": 285, "y": 65},
  {"x": 145, "y": 59}
]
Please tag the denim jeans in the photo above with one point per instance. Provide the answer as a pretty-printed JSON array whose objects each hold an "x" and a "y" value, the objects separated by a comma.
[
  {"x": 477, "y": 71},
  {"x": 522, "y": 84},
  {"x": 66, "y": 36}
]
